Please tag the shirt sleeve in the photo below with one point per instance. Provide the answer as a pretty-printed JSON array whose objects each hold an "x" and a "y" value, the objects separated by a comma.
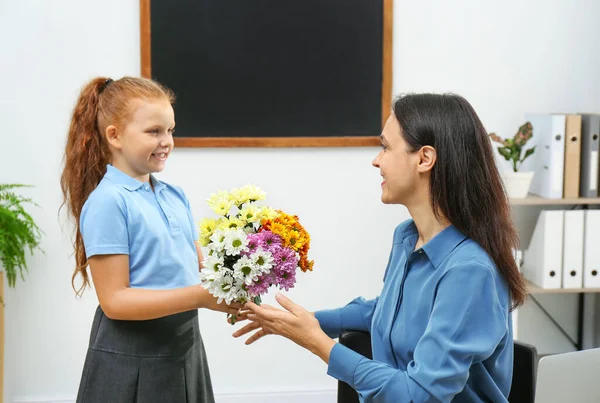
[
  {"x": 466, "y": 325},
  {"x": 103, "y": 225},
  {"x": 356, "y": 315}
]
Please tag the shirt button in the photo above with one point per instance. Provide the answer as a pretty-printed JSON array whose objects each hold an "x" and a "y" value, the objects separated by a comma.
[
  {"x": 420, "y": 251},
  {"x": 146, "y": 187}
]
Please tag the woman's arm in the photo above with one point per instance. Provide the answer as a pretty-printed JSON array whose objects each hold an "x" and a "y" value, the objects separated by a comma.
[
  {"x": 118, "y": 300},
  {"x": 466, "y": 325},
  {"x": 357, "y": 315}
]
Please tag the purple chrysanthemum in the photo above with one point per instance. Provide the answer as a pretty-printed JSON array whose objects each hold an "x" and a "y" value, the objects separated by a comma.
[
  {"x": 286, "y": 280},
  {"x": 269, "y": 240},
  {"x": 286, "y": 260},
  {"x": 254, "y": 242},
  {"x": 261, "y": 286}
]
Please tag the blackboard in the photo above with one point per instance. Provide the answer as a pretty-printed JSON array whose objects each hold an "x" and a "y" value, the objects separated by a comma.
[{"x": 272, "y": 72}]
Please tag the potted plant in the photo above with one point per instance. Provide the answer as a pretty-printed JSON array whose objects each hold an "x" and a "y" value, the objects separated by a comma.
[
  {"x": 18, "y": 232},
  {"x": 517, "y": 183}
]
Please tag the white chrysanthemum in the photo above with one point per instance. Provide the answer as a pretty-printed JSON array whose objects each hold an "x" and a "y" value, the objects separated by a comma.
[
  {"x": 208, "y": 278},
  {"x": 217, "y": 239},
  {"x": 221, "y": 288},
  {"x": 263, "y": 260},
  {"x": 213, "y": 262},
  {"x": 235, "y": 241},
  {"x": 246, "y": 270}
]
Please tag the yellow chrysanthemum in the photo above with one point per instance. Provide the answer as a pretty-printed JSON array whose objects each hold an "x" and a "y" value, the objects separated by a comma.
[
  {"x": 267, "y": 213},
  {"x": 240, "y": 196},
  {"x": 221, "y": 206},
  {"x": 206, "y": 228},
  {"x": 233, "y": 222},
  {"x": 220, "y": 195},
  {"x": 249, "y": 213},
  {"x": 278, "y": 229},
  {"x": 294, "y": 240},
  {"x": 254, "y": 192}
]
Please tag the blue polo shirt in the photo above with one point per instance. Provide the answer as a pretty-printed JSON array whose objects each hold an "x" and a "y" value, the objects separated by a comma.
[
  {"x": 441, "y": 329},
  {"x": 156, "y": 229}
]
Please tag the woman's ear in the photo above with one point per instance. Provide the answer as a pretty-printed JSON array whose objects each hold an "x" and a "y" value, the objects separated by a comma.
[
  {"x": 427, "y": 157},
  {"x": 112, "y": 137}
]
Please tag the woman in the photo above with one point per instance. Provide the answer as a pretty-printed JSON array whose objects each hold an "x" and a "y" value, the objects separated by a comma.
[{"x": 441, "y": 328}]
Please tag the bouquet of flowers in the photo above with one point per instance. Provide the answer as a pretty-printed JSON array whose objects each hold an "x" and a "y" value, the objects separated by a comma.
[{"x": 250, "y": 247}]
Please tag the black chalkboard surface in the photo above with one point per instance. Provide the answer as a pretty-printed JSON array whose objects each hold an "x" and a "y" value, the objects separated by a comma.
[{"x": 272, "y": 72}]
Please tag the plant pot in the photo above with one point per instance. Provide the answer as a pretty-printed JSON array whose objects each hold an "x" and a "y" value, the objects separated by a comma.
[{"x": 517, "y": 184}]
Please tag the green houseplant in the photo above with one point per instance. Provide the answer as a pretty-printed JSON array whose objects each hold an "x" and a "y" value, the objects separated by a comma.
[
  {"x": 517, "y": 182},
  {"x": 512, "y": 149},
  {"x": 18, "y": 232}
]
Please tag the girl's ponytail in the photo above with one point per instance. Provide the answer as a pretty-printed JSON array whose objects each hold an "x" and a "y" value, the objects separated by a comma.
[{"x": 85, "y": 160}]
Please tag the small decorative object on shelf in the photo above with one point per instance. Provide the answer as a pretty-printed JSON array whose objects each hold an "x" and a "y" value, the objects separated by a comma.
[{"x": 517, "y": 183}]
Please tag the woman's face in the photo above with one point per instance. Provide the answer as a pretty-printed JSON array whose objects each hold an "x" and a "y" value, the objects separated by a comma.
[{"x": 397, "y": 164}]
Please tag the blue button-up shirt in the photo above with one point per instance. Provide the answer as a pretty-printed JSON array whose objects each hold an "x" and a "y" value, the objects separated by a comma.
[
  {"x": 156, "y": 229},
  {"x": 441, "y": 329}
]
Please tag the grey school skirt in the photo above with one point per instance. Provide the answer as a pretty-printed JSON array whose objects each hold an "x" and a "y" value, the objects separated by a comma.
[{"x": 151, "y": 361}]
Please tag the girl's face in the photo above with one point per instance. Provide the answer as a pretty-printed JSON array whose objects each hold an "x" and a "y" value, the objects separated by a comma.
[
  {"x": 145, "y": 142},
  {"x": 398, "y": 166}
]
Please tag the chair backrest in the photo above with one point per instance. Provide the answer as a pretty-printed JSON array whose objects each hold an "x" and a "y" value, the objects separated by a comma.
[
  {"x": 523, "y": 379},
  {"x": 524, "y": 371},
  {"x": 361, "y": 343}
]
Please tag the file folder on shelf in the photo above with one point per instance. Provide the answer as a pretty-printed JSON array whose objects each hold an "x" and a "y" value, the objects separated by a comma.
[
  {"x": 572, "y": 156},
  {"x": 590, "y": 144},
  {"x": 542, "y": 262},
  {"x": 591, "y": 250},
  {"x": 573, "y": 237},
  {"x": 548, "y": 160}
]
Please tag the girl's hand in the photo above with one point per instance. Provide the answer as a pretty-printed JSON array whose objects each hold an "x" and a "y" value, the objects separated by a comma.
[{"x": 209, "y": 301}]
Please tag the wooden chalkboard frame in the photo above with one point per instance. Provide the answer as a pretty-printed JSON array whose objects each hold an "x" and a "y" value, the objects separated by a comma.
[{"x": 363, "y": 141}]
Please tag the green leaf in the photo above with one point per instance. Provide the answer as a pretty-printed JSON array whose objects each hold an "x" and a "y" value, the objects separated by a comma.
[
  {"x": 528, "y": 153},
  {"x": 505, "y": 152},
  {"x": 18, "y": 232}
]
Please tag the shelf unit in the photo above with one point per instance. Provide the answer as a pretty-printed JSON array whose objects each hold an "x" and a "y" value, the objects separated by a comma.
[
  {"x": 534, "y": 289},
  {"x": 537, "y": 201},
  {"x": 532, "y": 200}
]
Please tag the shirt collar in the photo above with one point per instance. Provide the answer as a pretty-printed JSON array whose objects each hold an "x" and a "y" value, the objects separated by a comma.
[
  {"x": 121, "y": 178},
  {"x": 440, "y": 246}
]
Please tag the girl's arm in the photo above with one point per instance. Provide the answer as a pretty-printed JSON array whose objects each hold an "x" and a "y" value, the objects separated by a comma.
[{"x": 118, "y": 300}]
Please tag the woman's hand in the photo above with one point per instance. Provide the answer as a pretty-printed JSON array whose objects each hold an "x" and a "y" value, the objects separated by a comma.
[{"x": 294, "y": 323}]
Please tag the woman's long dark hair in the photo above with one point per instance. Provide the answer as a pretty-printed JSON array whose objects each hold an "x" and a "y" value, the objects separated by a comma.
[{"x": 465, "y": 186}]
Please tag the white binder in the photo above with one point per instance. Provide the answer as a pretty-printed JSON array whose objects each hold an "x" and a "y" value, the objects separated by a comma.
[
  {"x": 572, "y": 269},
  {"x": 542, "y": 263},
  {"x": 591, "y": 250},
  {"x": 548, "y": 160}
]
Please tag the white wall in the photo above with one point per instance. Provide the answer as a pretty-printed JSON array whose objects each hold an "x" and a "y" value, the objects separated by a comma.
[{"x": 507, "y": 58}]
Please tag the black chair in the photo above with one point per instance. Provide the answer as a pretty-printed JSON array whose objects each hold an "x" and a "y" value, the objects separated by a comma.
[{"x": 523, "y": 380}]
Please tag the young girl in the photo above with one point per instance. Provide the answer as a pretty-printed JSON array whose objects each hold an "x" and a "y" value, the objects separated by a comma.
[
  {"x": 138, "y": 236},
  {"x": 441, "y": 328}
]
